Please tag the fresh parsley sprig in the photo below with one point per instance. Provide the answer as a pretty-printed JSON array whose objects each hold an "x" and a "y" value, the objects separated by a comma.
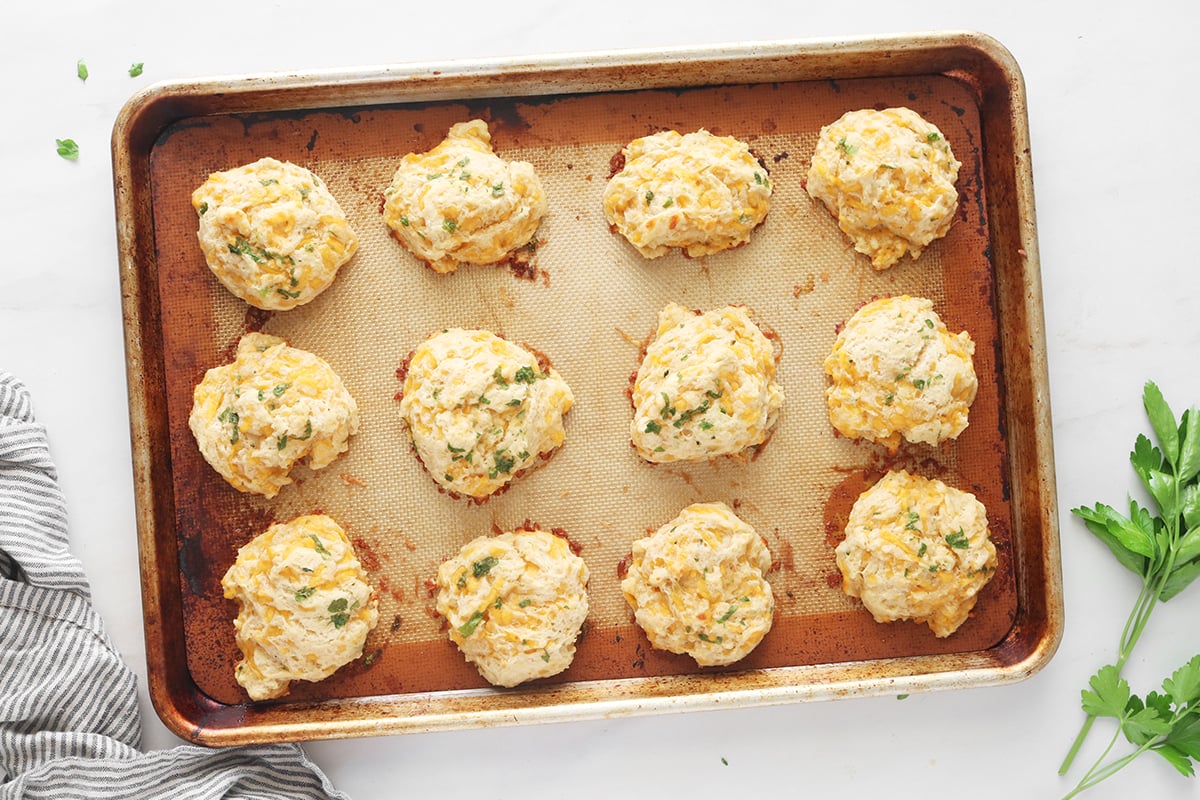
[
  {"x": 1167, "y": 723},
  {"x": 1163, "y": 550}
]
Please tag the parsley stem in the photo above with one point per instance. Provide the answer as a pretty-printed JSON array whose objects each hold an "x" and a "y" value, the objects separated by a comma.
[{"x": 1152, "y": 585}]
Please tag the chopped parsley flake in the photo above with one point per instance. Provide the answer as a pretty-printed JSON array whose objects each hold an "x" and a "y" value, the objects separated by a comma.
[
  {"x": 498, "y": 190},
  {"x": 483, "y": 566},
  {"x": 525, "y": 375},
  {"x": 69, "y": 150},
  {"x": 305, "y": 593},
  {"x": 283, "y": 441},
  {"x": 498, "y": 377},
  {"x": 724, "y": 617},
  {"x": 524, "y": 602},
  {"x": 649, "y": 197},
  {"x": 653, "y": 427},
  {"x": 670, "y": 201},
  {"x": 404, "y": 221},
  {"x": 81, "y": 70},
  {"x": 320, "y": 548},
  {"x": 468, "y": 627},
  {"x": 449, "y": 225},
  {"x": 958, "y": 540},
  {"x": 846, "y": 147},
  {"x": 135, "y": 68},
  {"x": 933, "y": 136},
  {"x": 921, "y": 550},
  {"x": 203, "y": 209},
  {"x": 913, "y": 519}
]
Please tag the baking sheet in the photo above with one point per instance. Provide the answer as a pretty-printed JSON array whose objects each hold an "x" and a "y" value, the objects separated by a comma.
[{"x": 591, "y": 301}]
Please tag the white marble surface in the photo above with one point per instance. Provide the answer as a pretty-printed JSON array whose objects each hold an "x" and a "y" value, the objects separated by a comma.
[{"x": 1111, "y": 89}]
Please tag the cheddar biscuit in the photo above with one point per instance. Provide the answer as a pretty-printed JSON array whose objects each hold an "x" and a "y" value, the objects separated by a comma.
[
  {"x": 480, "y": 409},
  {"x": 305, "y": 605},
  {"x": 696, "y": 585},
  {"x": 515, "y": 603},
  {"x": 273, "y": 407},
  {"x": 272, "y": 233},
  {"x": 460, "y": 203},
  {"x": 888, "y": 176},
  {"x": 698, "y": 192},
  {"x": 706, "y": 386},
  {"x": 896, "y": 372},
  {"x": 917, "y": 549}
]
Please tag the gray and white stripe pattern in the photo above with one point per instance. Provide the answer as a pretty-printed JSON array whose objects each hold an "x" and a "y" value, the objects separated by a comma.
[{"x": 69, "y": 725}]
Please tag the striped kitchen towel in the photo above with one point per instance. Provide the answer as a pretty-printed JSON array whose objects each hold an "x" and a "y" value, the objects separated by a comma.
[{"x": 69, "y": 724}]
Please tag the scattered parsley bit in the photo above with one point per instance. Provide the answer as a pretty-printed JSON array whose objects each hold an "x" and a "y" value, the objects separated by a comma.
[
  {"x": 67, "y": 148},
  {"x": 203, "y": 209},
  {"x": 524, "y": 603},
  {"x": 283, "y": 440},
  {"x": 269, "y": 181},
  {"x": 670, "y": 201},
  {"x": 846, "y": 147},
  {"x": 516, "y": 401},
  {"x": 449, "y": 478},
  {"x": 888, "y": 398},
  {"x": 653, "y": 427},
  {"x": 901, "y": 697},
  {"x": 454, "y": 449},
  {"x": 403, "y": 221},
  {"x": 434, "y": 176},
  {"x": 370, "y": 657},
  {"x": 932, "y": 137},
  {"x": 921, "y": 550},
  {"x": 723, "y": 761},
  {"x": 337, "y": 610},
  {"x": 280, "y": 389},
  {"x": 649, "y": 197},
  {"x": 81, "y": 70},
  {"x": 958, "y": 540},
  {"x": 462, "y": 162},
  {"x": 525, "y": 375},
  {"x": 498, "y": 377},
  {"x": 504, "y": 462},
  {"x": 468, "y": 627},
  {"x": 705, "y": 425},
  {"x": 668, "y": 410},
  {"x": 305, "y": 593},
  {"x": 913, "y": 519},
  {"x": 483, "y": 566},
  {"x": 546, "y": 656},
  {"x": 307, "y": 432},
  {"x": 920, "y": 383},
  {"x": 732, "y": 610},
  {"x": 498, "y": 190},
  {"x": 449, "y": 225},
  {"x": 929, "y": 323},
  {"x": 483, "y": 400},
  {"x": 758, "y": 179},
  {"x": 320, "y": 548},
  {"x": 135, "y": 69}
]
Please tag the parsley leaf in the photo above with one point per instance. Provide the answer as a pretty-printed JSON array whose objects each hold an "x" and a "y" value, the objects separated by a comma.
[
  {"x": 483, "y": 566},
  {"x": 67, "y": 148},
  {"x": 81, "y": 70},
  {"x": 135, "y": 69}
]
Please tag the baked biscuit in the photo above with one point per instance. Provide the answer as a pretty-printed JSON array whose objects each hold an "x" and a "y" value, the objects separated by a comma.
[
  {"x": 460, "y": 203},
  {"x": 272, "y": 407},
  {"x": 897, "y": 372},
  {"x": 888, "y": 176},
  {"x": 272, "y": 233},
  {"x": 305, "y": 605},
  {"x": 917, "y": 549},
  {"x": 515, "y": 603},
  {"x": 696, "y": 585},
  {"x": 698, "y": 192},
  {"x": 706, "y": 386},
  {"x": 480, "y": 409}
]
